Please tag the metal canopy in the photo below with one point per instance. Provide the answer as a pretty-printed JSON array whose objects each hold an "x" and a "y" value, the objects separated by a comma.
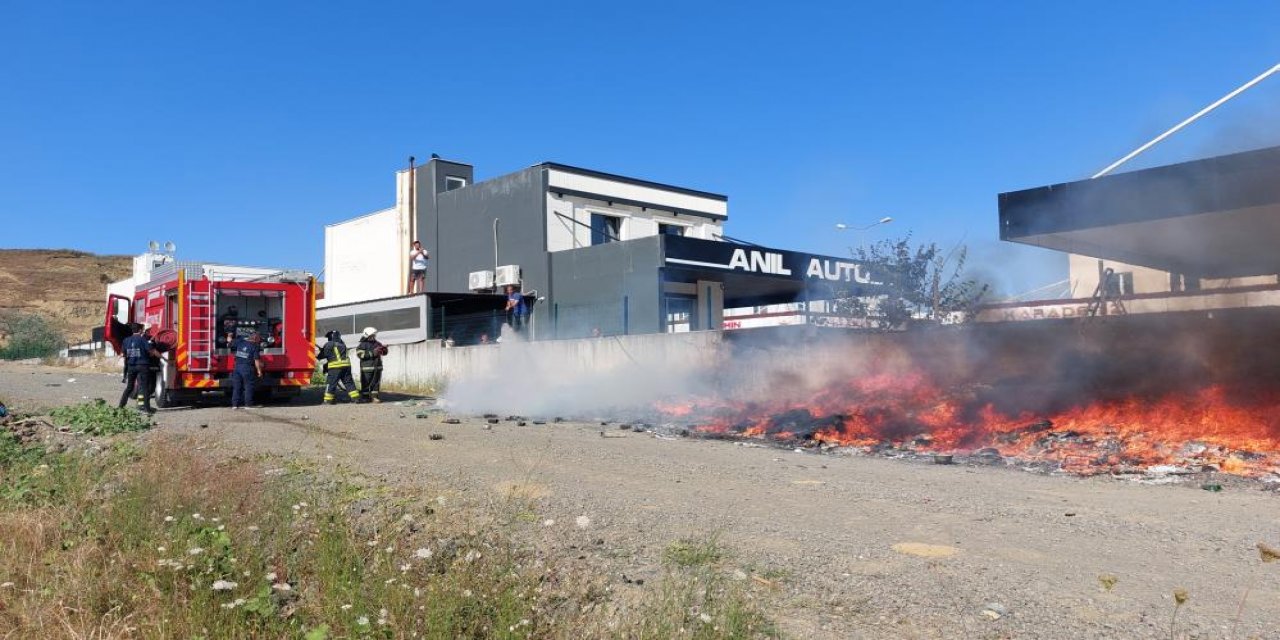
[{"x": 1216, "y": 218}]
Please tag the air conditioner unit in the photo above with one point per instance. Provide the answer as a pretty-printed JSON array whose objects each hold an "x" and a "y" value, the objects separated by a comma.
[
  {"x": 508, "y": 275},
  {"x": 480, "y": 280}
]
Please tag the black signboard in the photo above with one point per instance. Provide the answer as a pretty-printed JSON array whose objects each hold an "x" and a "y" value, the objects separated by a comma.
[{"x": 742, "y": 258}]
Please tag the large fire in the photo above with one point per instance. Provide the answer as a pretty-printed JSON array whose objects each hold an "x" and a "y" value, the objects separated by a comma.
[{"x": 1203, "y": 428}]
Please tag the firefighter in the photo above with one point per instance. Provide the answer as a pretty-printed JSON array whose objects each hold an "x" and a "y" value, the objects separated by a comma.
[
  {"x": 370, "y": 352},
  {"x": 227, "y": 326},
  {"x": 138, "y": 352},
  {"x": 337, "y": 367},
  {"x": 248, "y": 369}
]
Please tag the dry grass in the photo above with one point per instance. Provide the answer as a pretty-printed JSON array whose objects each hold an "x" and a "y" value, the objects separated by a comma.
[{"x": 167, "y": 542}]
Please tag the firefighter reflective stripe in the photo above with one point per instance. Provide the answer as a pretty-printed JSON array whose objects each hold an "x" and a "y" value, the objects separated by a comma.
[{"x": 335, "y": 355}]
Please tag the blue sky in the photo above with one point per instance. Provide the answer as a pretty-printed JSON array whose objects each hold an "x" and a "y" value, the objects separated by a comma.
[{"x": 238, "y": 130}]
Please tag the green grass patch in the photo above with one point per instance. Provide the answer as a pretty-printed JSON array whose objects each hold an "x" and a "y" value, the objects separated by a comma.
[
  {"x": 98, "y": 418},
  {"x": 694, "y": 552},
  {"x": 165, "y": 541}
]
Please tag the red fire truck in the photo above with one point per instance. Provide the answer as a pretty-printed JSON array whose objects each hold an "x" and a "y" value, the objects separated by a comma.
[{"x": 195, "y": 310}]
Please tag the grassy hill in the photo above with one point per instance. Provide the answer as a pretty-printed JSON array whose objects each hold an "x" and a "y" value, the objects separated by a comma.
[{"x": 70, "y": 287}]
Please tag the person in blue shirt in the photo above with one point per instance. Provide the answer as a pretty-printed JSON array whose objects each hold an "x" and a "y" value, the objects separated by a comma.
[
  {"x": 517, "y": 310},
  {"x": 138, "y": 352},
  {"x": 248, "y": 369}
]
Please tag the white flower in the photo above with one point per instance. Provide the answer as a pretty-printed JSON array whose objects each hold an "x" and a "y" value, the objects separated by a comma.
[
  {"x": 224, "y": 585},
  {"x": 271, "y": 577},
  {"x": 472, "y": 556},
  {"x": 345, "y": 607},
  {"x": 6, "y": 585},
  {"x": 548, "y": 523},
  {"x": 168, "y": 518},
  {"x": 389, "y": 549},
  {"x": 222, "y": 527},
  {"x": 282, "y": 586},
  {"x": 390, "y": 581},
  {"x": 423, "y": 553},
  {"x": 704, "y": 617},
  {"x": 253, "y": 527},
  {"x": 583, "y": 522},
  {"x": 196, "y": 516},
  {"x": 404, "y": 567},
  {"x": 372, "y": 543},
  {"x": 161, "y": 549},
  {"x": 215, "y": 519},
  {"x": 363, "y": 621},
  {"x": 297, "y": 507},
  {"x": 466, "y": 593},
  {"x": 195, "y": 551},
  {"x": 302, "y": 504}
]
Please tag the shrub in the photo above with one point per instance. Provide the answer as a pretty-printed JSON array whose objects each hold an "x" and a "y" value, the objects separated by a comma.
[
  {"x": 97, "y": 418},
  {"x": 29, "y": 335}
]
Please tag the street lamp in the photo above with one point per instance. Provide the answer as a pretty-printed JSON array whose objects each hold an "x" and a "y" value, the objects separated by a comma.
[
  {"x": 840, "y": 226},
  {"x": 861, "y": 231}
]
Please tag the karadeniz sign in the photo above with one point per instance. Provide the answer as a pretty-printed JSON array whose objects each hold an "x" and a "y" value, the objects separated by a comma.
[{"x": 728, "y": 256}]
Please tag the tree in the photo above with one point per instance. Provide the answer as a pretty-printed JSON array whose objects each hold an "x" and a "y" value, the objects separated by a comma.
[
  {"x": 28, "y": 335},
  {"x": 920, "y": 283}
]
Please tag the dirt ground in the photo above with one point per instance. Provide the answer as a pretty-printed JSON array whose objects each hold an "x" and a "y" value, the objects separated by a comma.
[{"x": 841, "y": 546}]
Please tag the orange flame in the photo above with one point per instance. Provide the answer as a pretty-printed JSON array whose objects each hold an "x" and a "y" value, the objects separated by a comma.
[{"x": 1209, "y": 427}]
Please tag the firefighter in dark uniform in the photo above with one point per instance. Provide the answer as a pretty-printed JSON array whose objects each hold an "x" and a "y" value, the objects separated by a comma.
[
  {"x": 337, "y": 367},
  {"x": 138, "y": 352},
  {"x": 370, "y": 352},
  {"x": 248, "y": 369}
]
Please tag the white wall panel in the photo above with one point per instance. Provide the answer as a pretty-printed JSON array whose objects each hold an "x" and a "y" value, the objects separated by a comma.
[{"x": 362, "y": 259}]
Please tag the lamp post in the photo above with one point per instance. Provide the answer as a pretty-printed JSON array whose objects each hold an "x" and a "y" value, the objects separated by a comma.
[{"x": 862, "y": 230}]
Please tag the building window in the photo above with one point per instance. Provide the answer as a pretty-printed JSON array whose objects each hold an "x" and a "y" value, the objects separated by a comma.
[
  {"x": 454, "y": 182},
  {"x": 605, "y": 228},
  {"x": 670, "y": 229}
]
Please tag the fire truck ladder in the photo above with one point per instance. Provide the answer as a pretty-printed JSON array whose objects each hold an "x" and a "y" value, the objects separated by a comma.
[
  {"x": 1098, "y": 304},
  {"x": 200, "y": 330}
]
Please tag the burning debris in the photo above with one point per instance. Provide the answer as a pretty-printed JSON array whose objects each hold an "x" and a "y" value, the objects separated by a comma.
[{"x": 910, "y": 416}]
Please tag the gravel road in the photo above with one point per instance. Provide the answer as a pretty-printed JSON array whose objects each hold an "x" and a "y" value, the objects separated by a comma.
[{"x": 855, "y": 547}]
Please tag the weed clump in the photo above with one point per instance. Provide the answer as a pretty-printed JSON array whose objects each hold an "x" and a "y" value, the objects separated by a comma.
[
  {"x": 166, "y": 541},
  {"x": 97, "y": 418}
]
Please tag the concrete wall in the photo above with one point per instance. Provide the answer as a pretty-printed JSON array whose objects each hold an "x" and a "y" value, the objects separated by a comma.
[
  {"x": 466, "y": 232},
  {"x": 427, "y": 362},
  {"x": 430, "y": 227},
  {"x": 613, "y": 287}
]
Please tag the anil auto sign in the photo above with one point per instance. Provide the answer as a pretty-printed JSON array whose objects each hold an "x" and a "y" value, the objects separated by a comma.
[{"x": 726, "y": 256}]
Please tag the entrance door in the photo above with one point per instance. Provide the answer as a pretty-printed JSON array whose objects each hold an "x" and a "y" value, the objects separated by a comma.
[{"x": 680, "y": 313}]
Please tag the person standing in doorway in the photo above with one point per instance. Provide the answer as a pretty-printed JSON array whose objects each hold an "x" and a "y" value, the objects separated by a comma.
[
  {"x": 248, "y": 356},
  {"x": 138, "y": 352},
  {"x": 337, "y": 367},
  {"x": 418, "y": 268},
  {"x": 370, "y": 352},
  {"x": 517, "y": 310}
]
